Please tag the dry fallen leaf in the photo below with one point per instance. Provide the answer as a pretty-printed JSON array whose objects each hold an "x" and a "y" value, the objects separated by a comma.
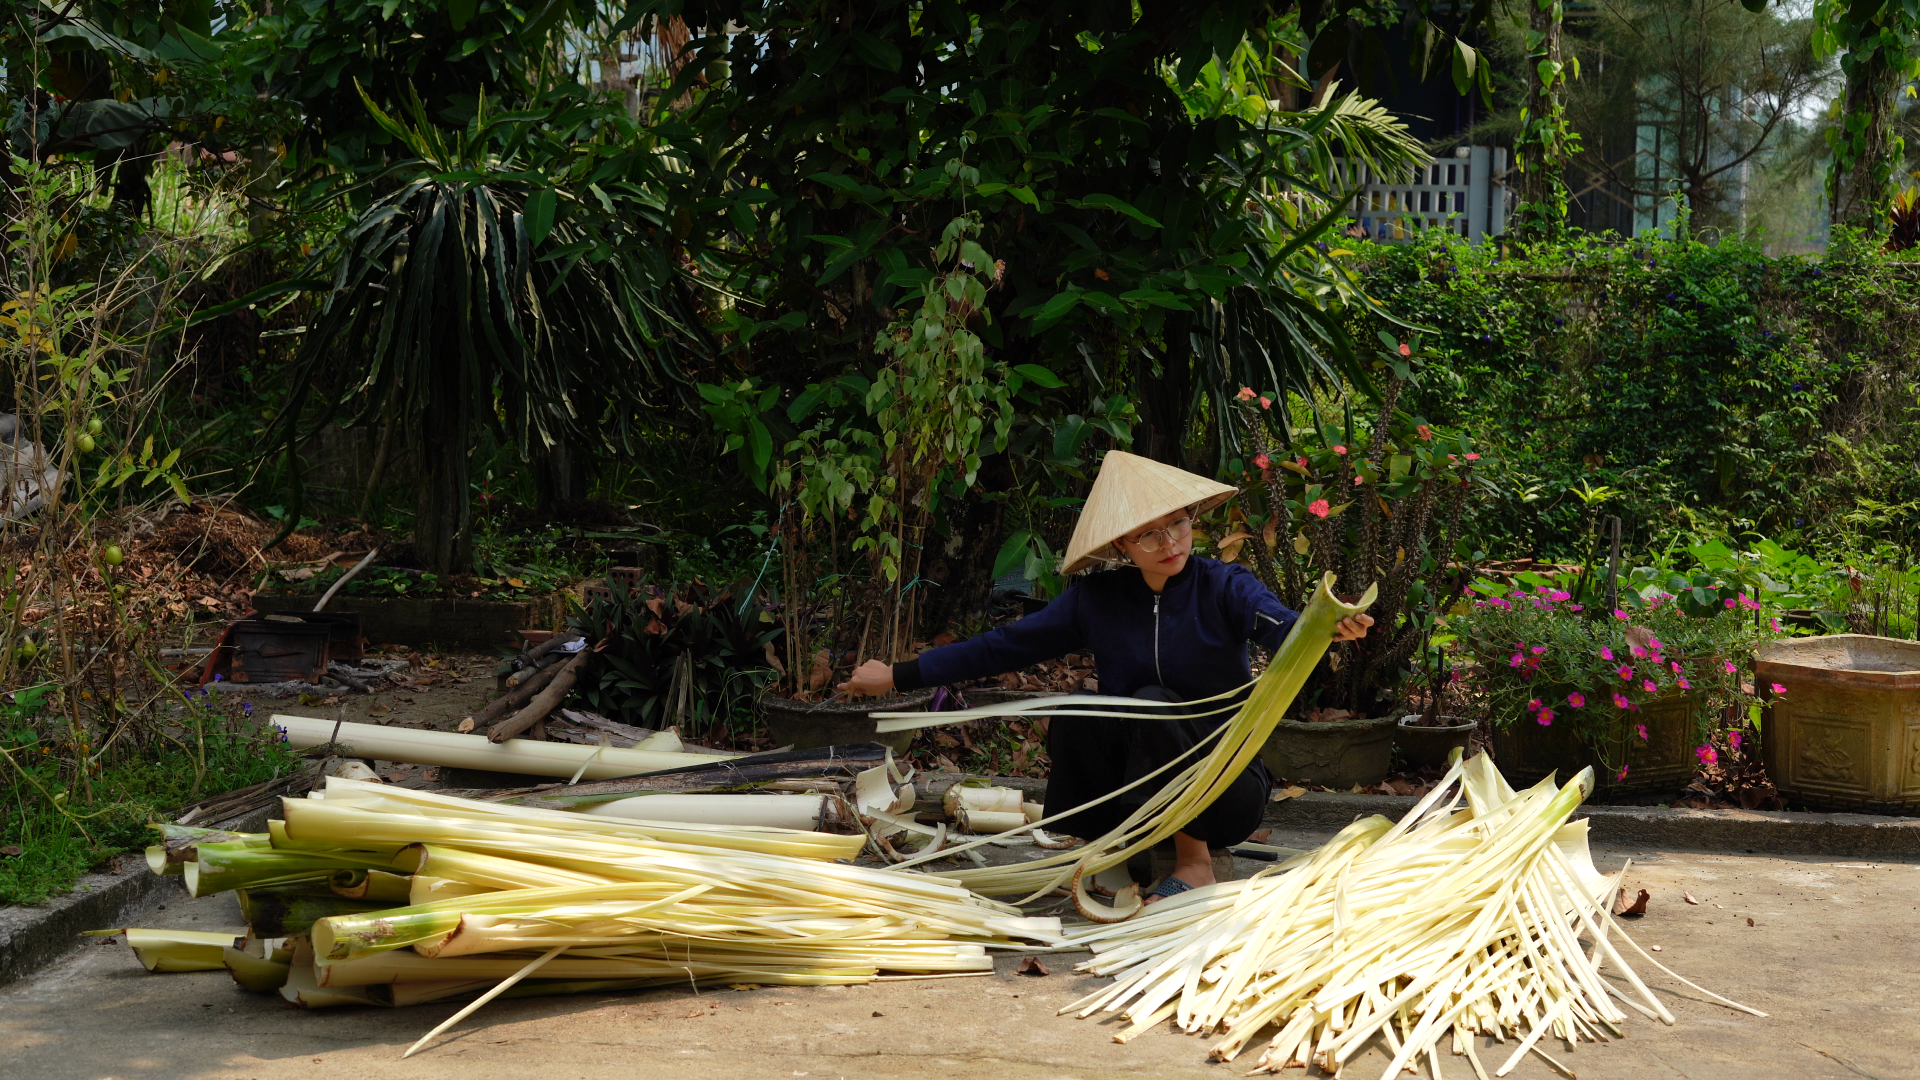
[
  {"x": 1688, "y": 897},
  {"x": 11, "y": 851},
  {"x": 1637, "y": 907},
  {"x": 1749, "y": 922},
  {"x": 877, "y": 1012},
  {"x": 1031, "y": 966},
  {"x": 1293, "y": 792}
]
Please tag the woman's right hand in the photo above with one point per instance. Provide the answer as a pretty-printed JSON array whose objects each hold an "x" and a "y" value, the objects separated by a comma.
[{"x": 871, "y": 679}]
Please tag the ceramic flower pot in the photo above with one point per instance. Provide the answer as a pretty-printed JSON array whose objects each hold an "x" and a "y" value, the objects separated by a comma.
[
  {"x": 1337, "y": 754},
  {"x": 1428, "y": 747},
  {"x": 1845, "y": 734},
  {"x": 1658, "y": 765}
]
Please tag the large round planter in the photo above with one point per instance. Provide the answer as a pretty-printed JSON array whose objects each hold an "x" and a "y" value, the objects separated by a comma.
[
  {"x": 1846, "y": 733},
  {"x": 1659, "y": 765},
  {"x": 1429, "y": 747},
  {"x": 808, "y": 724},
  {"x": 1338, "y": 754}
]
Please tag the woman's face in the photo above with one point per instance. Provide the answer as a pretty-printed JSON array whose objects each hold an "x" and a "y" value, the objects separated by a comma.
[{"x": 1175, "y": 535}]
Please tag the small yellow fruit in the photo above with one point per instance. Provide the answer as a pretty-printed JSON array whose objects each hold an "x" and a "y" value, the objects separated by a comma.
[
  {"x": 85, "y": 443},
  {"x": 112, "y": 555}
]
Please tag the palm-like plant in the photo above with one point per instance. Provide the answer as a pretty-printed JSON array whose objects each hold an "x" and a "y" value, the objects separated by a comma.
[{"x": 476, "y": 289}]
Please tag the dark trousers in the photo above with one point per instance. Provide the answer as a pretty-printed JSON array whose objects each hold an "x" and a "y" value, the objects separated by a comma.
[{"x": 1094, "y": 755}]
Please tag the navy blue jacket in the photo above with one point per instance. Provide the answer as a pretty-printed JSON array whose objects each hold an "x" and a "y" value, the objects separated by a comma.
[{"x": 1190, "y": 638}]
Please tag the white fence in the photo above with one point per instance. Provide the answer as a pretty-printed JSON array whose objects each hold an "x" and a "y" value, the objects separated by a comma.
[{"x": 1465, "y": 194}]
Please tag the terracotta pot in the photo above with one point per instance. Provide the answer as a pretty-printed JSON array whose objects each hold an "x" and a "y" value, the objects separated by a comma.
[
  {"x": 808, "y": 724},
  {"x": 1422, "y": 747},
  {"x": 1659, "y": 765},
  {"x": 1338, "y": 754},
  {"x": 1844, "y": 736}
]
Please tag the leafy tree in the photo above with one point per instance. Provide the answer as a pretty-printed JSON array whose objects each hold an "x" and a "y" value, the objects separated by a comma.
[{"x": 1879, "y": 47}]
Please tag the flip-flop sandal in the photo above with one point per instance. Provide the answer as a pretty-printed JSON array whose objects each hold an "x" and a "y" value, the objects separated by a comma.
[{"x": 1169, "y": 886}]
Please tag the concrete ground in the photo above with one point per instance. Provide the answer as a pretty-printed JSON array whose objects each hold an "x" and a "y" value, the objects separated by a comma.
[{"x": 1830, "y": 955}]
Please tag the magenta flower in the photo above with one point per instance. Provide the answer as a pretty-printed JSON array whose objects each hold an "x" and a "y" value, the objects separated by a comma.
[
  {"x": 1654, "y": 642},
  {"x": 1733, "y": 739},
  {"x": 1626, "y": 673},
  {"x": 1576, "y": 607},
  {"x": 1545, "y": 716},
  {"x": 1577, "y": 699},
  {"x": 1642, "y": 730},
  {"x": 1606, "y": 653},
  {"x": 1622, "y": 615},
  {"x": 1620, "y": 702},
  {"x": 1729, "y": 603},
  {"x": 1684, "y": 684},
  {"x": 1707, "y": 755},
  {"x": 1516, "y": 661},
  {"x": 1676, "y": 667},
  {"x": 1777, "y": 688},
  {"x": 1649, "y": 687},
  {"x": 1729, "y": 665},
  {"x": 1622, "y": 774},
  {"x": 1473, "y": 457},
  {"x": 1534, "y": 705},
  {"x": 1559, "y": 594},
  {"x": 1775, "y": 623},
  {"x": 1339, "y": 449},
  {"x": 1262, "y": 461},
  {"x": 1538, "y": 650}
]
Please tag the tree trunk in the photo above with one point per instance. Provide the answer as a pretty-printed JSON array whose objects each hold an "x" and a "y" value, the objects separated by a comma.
[
  {"x": 960, "y": 565},
  {"x": 1540, "y": 153},
  {"x": 1861, "y": 194},
  {"x": 1164, "y": 397},
  {"x": 442, "y": 534},
  {"x": 559, "y": 475}
]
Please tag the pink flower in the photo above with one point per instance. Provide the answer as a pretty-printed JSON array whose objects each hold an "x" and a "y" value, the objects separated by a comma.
[
  {"x": 1733, "y": 739},
  {"x": 1626, "y": 673},
  {"x": 1684, "y": 684},
  {"x": 1707, "y": 755},
  {"x": 1654, "y": 642},
  {"x": 1638, "y": 652},
  {"x": 1319, "y": 508},
  {"x": 1538, "y": 650},
  {"x": 1676, "y": 667},
  {"x": 1516, "y": 661},
  {"x": 1358, "y": 480},
  {"x": 1559, "y": 594},
  {"x": 1729, "y": 603},
  {"x": 1245, "y": 394},
  {"x": 1262, "y": 461},
  {"x": 1576, "y": 607},
  {"x": 1777, "y": 688},
  {"x": 1266, "y": 403},
  {"x": 1577, "y": 700},
  {"x": 1606, "y": 653},
  {"x": 1404, "y": 350},
  {"x": 1729, "y": 666},
  {"x": 1620, "y": 702},
  {"x": 1775, "y": 623},
  {"x": 1339, "y": 449},
  {"x": 1622, "y": 774},
  {"x": 1619, "y": 614},
  {"x": 1534, "y": 705},
  {"x": 1649, "y": 687},
  {"x": 1426, "y": 433},
  {"x": 1545, "y": 716},
  {"x": 1302, "y": 462},
  {"x": 1642, "y": 730},
  {"x": 1473, "y": 457}
]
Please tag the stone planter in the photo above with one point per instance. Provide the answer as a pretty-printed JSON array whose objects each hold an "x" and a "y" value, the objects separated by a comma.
[
  {"x": 1659, "y": 765},
  {"x": 1429, "y": 747},
  {"x": 1846, "y": 734},
  {"x": 1338, "y": 754},
  {"x": 807, "y": 724},
  {"x": 419, "y": 622}
]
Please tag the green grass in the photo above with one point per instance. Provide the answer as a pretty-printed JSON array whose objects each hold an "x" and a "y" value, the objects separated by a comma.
[{"x": 58, "y": 844}]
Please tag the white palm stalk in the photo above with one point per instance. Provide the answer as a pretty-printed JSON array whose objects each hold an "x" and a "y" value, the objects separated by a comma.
[
  {"x": 1180, "y": 798},
  {"x": 1453, "y": 923}
]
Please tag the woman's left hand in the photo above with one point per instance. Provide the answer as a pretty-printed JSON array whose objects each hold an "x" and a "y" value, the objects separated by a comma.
[{"x": 1352, "y": 627}]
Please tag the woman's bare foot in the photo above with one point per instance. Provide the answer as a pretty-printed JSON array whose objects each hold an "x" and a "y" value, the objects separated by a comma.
[{"x": 1192, "y": 863}]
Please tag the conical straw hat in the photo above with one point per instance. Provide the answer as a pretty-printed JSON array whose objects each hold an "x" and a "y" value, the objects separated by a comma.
[{"x": 1129, "y": 492}]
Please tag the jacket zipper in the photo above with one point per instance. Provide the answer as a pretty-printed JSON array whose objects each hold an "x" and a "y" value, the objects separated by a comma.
[{"x": 1156, "y": 641}]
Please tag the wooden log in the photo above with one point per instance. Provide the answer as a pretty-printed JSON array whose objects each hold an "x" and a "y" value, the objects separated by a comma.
[
  {"x": 544, "y": 702},
  {"x": 513, "y": 699}
]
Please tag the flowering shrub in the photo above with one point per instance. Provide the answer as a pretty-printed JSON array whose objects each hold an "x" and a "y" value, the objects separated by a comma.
[{"x": 1547, "y": 657}]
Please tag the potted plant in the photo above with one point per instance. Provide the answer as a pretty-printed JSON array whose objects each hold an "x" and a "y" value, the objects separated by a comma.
[
  {"x": 1638, "y": 691},
  {"x": 1380, "y": 504},
  {"x": 863, "y": 481}
]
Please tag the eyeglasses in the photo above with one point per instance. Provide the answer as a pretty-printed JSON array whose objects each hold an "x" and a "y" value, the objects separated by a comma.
[{"x": 1155, "y": 539}]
